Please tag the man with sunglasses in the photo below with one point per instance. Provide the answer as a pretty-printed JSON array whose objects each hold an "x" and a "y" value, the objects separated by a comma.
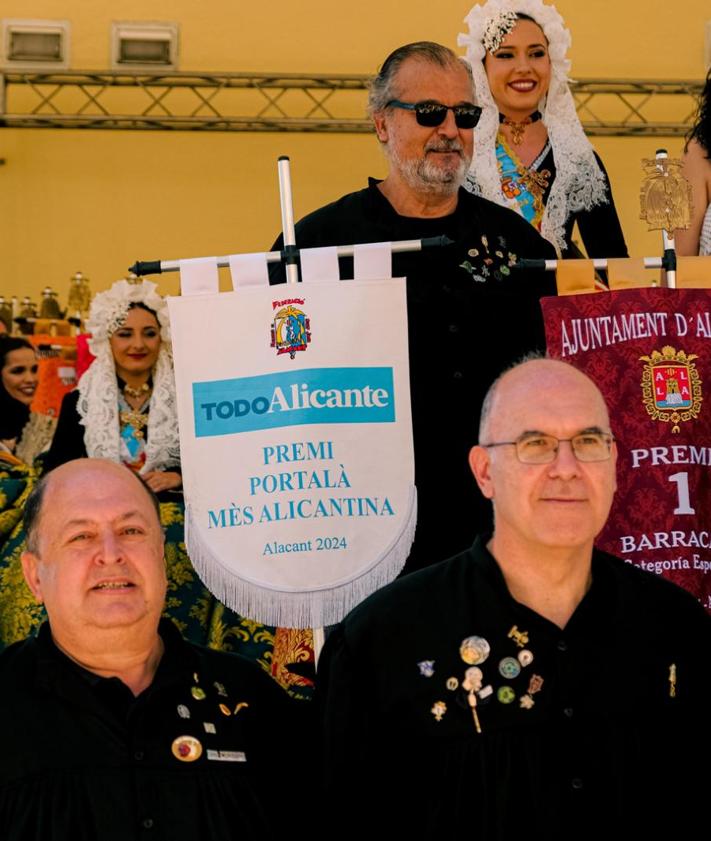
[
  {"x": 532, "y": 686},
  {"x": 470, "y": 313}
]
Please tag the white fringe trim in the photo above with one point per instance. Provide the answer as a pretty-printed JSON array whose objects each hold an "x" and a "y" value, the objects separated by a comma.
[{"x": 305, "y": 609}]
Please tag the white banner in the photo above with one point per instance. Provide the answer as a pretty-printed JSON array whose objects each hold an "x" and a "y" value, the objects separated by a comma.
[{"x": 296, "y": 444}]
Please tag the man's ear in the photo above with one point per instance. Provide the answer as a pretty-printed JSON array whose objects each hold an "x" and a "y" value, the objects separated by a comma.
[
  {"x": 381, "y": 129},
  {"x": 480, "y": 465},
  {"x": 30, "y": 562}
]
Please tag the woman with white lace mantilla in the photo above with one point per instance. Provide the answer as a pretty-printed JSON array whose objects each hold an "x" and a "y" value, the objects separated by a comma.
[
  {"x": 530, "y": 151},
  {"x": 128, "y": 388}
]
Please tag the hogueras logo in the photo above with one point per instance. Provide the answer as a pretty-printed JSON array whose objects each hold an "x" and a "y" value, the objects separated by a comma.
[{"x": 293, "y": 398}]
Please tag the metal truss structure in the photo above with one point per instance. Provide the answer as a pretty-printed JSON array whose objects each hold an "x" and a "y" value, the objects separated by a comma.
[{"x": 180, "y": 101}]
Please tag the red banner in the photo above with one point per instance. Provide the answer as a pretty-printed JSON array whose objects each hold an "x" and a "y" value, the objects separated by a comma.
[{"x": 649, "y": 351}]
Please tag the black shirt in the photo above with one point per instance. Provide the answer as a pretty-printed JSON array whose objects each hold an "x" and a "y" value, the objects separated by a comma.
[
  {"x": 470, "y": 315},
  {"x": 585, "y": 731},
  {"x": 82, "y": 759}
]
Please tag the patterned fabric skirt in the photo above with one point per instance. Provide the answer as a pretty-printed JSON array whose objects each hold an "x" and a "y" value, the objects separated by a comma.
[{"x": 285, "y": 653}]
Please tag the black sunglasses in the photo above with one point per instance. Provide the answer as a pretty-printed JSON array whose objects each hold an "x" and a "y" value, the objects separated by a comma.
[{"x": 433, "y": 114}]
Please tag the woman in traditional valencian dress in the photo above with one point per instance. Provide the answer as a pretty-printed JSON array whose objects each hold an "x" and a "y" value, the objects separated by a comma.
[
  {"x": 530, "y": 151},
  {"x": 697, "y": 169},
  {"x": 23, "y": 435},
  {"x": 18, "y": 382},
  {"x": 124, "y": 409}
]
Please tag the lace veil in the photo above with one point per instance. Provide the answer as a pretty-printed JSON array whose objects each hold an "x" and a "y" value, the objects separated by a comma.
[
  {"x": 98, "y": 388},
  {"x": 579, "y": 183}
]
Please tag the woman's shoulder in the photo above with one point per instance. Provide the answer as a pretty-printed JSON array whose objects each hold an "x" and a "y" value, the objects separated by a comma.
[
  {"x": 68, "y": 440},
  {"x": 697, "y": 169},
  {"x": 694, "y": 149}
]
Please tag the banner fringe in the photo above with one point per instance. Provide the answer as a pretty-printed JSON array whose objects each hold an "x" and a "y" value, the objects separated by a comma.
[{"x": 302, "y": 609}]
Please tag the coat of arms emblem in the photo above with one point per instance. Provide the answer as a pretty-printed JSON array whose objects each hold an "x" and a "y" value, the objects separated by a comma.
[
  {"x": 291, "y": 327},
  {"x": 671, "y": 386}
]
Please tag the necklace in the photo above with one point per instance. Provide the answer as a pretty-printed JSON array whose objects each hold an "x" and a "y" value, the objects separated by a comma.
[
  {"x": 518, "y": 128},
  {"x": 136, "y": 392},
  {"x": 136, "y": 419}
]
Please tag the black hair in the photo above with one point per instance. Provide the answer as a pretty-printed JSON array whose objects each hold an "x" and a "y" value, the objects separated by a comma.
[
  {"x": 10, "y": 343},
  {"x": 701, "y": 131},
  {"x": 141, "y": 306}
]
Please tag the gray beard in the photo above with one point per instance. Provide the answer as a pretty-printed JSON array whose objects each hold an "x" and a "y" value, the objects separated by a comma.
[{"x": 425, "y": 176}]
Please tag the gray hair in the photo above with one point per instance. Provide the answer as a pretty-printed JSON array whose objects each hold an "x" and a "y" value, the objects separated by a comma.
[{"x": 381, "y": 89}]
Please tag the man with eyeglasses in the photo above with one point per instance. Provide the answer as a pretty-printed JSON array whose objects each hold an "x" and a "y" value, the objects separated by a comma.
[
  {"x": 470, "y": 313},
  {"x": 532, "y": 686}
]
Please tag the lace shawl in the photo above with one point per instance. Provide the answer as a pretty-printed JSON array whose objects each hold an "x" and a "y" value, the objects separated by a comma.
[{"x": 98, "y": 410}]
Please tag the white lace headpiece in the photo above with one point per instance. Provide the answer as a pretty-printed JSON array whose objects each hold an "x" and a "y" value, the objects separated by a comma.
[
  {"x": 98, "y": 387},
  {"x": 579, "y": 183}
]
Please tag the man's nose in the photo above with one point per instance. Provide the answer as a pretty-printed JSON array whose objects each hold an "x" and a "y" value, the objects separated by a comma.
[
  {"x": 565, "y": 464},
  {"x": 109, "y": 550},
  {"x": 448, "y": 127}
]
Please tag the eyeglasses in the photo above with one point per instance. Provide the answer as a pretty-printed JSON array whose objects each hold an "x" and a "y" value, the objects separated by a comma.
[
  {"x": 433, "y": 114},
  {"x": 542, "y": 449}
]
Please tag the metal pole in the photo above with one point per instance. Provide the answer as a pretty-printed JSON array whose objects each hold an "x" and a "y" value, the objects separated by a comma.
[
  {"x": 146, "y": 267},
  {"x": 598, "y": 263},
  {"x": 287, "y": 220},
  {"x": 667, "y": 236}
]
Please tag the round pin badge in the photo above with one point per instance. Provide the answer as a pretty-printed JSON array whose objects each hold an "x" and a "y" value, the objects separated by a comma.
[
  {"x": 509, "y": 667},
  {"x": 525, "y": 658},
  {"x": 474, "y": 650},
  {"x": 505, "y": 694},
  {"x": 197, "y": 693},
  {"x": 186, "y": 748}
]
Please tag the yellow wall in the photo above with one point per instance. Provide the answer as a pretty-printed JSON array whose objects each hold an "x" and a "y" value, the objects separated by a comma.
[{"x": 97, "y": 200}]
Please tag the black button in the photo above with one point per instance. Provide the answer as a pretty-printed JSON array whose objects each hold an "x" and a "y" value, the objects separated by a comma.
[
  {"x": 568, "y": 712},
  {"x": 453, "y": 328},
  {"x": 577, "y": 783},
  {"x": 147, "y": 823},
  {"x": 457, "y": 375},
  {"x": 562, "y": 645},
  {"x": 138, "y": 755}
]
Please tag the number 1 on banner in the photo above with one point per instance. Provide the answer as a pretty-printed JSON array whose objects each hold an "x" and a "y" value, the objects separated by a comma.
[{"x": 682, "y": 488}]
